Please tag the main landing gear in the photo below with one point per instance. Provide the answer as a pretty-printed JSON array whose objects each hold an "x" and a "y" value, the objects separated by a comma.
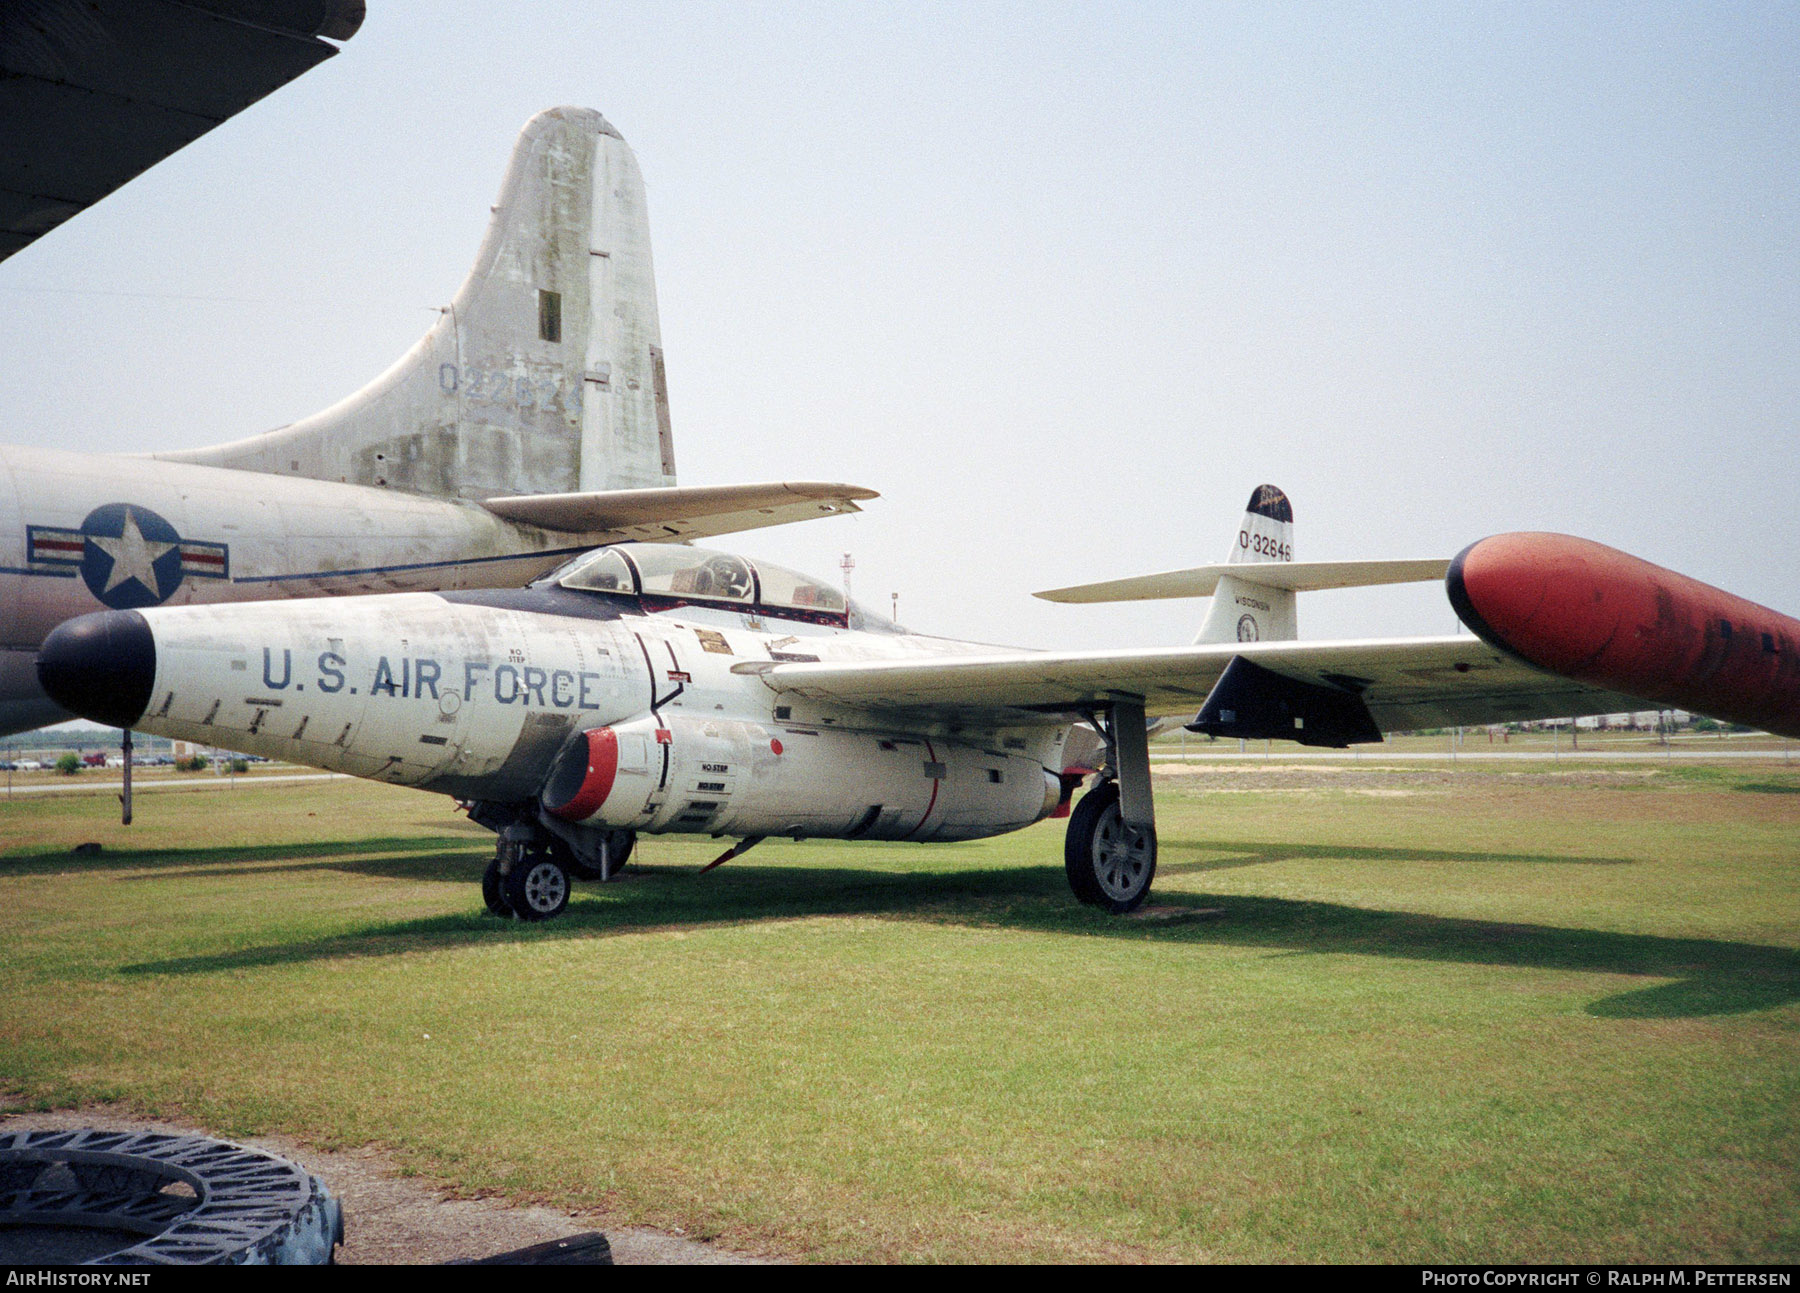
[
  {"x": 1110, "y": 863},
  {"x": 1109, "y": 852}
]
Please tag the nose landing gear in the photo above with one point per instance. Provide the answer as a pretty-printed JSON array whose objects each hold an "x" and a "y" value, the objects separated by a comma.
[
  {"x": 533, "y": 869},
  {"x": 525, "y": 881},
  {"x": 537, "y": 887}
]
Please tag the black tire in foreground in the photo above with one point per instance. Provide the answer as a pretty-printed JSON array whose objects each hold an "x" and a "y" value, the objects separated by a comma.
[
  {"x": 180, "y": 1200},
  {"x": 1109, "y": 863}
]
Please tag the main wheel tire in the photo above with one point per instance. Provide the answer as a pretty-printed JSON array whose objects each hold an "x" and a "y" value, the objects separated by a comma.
[
  {"x": 572, "y": 864},
  {"x": 537, "y": 887},
  {"x": 1109, "y": 863},
  {"x": 493, "y": 889}
]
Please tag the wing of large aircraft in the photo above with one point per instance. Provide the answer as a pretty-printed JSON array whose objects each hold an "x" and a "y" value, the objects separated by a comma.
[
  {"x": 680, "y": 513},
  {"x": 1406, "y": 683},
  {"x": 95, "y": 92}
]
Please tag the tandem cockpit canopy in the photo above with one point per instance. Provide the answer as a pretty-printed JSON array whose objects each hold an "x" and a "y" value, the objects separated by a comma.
[{"x": 667, "y": 575}]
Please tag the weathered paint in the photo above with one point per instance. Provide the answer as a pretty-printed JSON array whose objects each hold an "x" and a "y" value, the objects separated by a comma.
[
  {"x": 1589, "y": 612},
  {"x": 624, "y": 719},
  {"x": 485, "y": 404}
]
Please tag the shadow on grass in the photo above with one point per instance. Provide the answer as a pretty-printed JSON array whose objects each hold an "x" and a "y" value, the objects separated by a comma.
[
  {"x": 1710, "y": 977},
  {"x": 456, "y": 864},
  {"x": 1225, "y": 856},
  {"x": 222, "y": 857}
]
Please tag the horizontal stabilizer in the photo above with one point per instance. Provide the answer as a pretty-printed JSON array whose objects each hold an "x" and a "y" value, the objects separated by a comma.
[
  {"x": 1295, "y": 576},
  {"x": 680, "y": 512}
]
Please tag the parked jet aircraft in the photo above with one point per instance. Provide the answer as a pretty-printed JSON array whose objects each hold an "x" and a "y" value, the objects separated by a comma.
[
  {"x": 648, "y": 687},
  {"x": 530, "y": 423}
]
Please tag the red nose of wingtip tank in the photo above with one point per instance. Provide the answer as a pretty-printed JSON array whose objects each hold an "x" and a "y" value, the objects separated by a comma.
[{"x": 1604, "y": 617}]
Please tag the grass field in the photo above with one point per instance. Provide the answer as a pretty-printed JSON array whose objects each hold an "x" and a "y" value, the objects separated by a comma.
[{"x": 1449, "y": 1015}]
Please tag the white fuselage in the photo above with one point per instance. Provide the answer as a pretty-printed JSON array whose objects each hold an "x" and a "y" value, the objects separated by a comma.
[
  {"x": 478, "y": 695},
  {"x": 83, "y": 532}
]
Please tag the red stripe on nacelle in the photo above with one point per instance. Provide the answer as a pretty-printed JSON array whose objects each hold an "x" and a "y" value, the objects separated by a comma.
[
  {"x": 1604, "y": 617},
  {"x": 602, "y": 769}
]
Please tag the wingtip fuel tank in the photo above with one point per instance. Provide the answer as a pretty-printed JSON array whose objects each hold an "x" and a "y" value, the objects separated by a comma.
[{"x": 1589, "y": 612}]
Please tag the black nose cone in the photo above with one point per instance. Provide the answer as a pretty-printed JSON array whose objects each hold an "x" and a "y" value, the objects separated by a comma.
[{"x": 100, "y": 666}]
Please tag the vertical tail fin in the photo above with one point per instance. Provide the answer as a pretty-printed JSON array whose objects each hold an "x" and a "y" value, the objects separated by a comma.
[
  {"x": 545, "y": 375},
  {"x": 1243, "y": 610}
]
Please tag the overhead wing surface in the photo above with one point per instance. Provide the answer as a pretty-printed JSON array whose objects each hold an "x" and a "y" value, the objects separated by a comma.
[
  {"x": 94, "y": 92},
  {"x": 1295, "y": 576},
  {"x": 680, "y": 512},
  {"x": 1406, "y": 683}
]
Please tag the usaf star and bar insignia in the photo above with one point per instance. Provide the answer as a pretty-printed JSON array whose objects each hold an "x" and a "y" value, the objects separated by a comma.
[{"x": 128, "y": 556}]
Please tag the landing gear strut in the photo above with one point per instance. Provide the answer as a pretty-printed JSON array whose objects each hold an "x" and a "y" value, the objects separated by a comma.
[
  {"x": 538, "y": 859},
  {"x": 615, "y": 848}
]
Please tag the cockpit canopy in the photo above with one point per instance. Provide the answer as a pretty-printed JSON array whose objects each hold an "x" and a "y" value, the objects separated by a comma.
[{"x": 673, "y": 574}]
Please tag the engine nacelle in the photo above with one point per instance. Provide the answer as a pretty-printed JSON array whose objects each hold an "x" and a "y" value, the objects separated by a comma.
[{"x": 711, "y": 776}]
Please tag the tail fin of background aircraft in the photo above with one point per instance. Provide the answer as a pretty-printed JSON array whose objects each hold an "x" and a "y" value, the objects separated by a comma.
[
  {"x": 1244, "y": 610},
  {"x": 545, "y": 375}
]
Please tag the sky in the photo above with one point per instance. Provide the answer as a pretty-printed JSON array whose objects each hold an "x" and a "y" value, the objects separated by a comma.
[{"x": 1064, "y": 283}]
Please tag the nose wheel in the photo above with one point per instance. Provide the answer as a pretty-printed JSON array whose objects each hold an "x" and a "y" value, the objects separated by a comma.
[
  {"x": 537, "y": 887},
  {"x": 1110, "y": 862},
  {"x": 534, "y": 887}
]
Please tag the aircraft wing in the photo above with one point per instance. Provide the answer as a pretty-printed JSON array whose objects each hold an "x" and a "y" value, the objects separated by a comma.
[
  {"x": 680, "y": 512},
  {"x": 1407, "y": 683},
  {"x": 94, "y": 94}
]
